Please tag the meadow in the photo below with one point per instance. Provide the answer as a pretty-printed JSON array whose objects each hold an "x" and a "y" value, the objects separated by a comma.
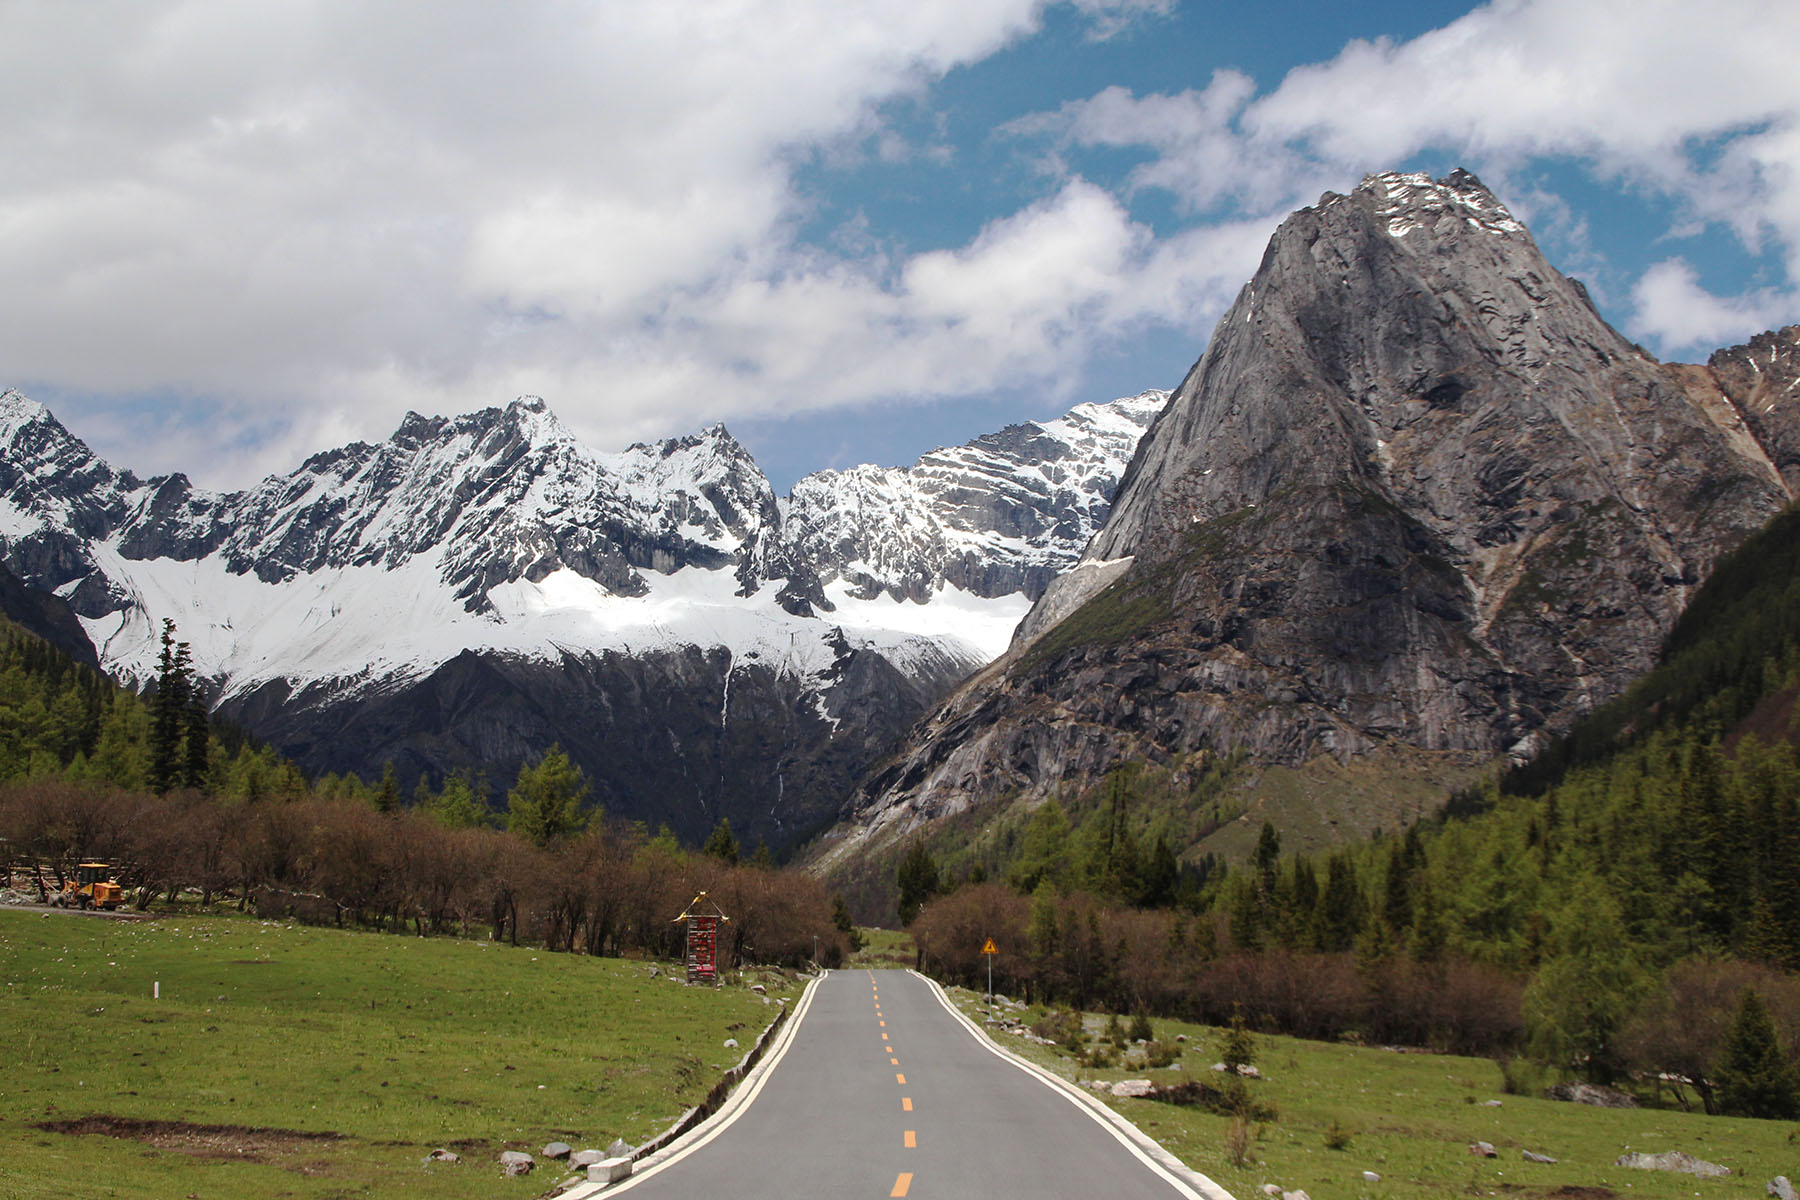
[
  {"x": 1409, "y": 1117},
  {"x": 281, "y": 1060}
]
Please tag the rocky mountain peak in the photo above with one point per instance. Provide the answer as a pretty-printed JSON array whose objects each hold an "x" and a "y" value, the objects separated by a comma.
[
  {"x": 1415, "y": 493},
  {"x": 1409, "y": 202}
]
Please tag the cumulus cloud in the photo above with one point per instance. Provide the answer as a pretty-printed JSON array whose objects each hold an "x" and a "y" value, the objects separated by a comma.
[
  {"x": 294, "y": 222},
  {"x": 352, "y": 210},
  {"x": 1694, "y": 101},
  {"x": 1672, "y": 307}
]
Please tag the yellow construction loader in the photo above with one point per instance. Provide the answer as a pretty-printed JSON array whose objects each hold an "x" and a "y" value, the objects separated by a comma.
[{"x": 92, "y": 887}]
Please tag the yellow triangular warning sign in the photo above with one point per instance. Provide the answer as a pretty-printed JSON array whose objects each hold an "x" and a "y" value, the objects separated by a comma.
[{"x": 988, "y": 947}]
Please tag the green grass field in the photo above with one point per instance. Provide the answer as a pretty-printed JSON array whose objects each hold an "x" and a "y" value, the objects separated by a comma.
[
  {"x": 1410, "y": 1118},
  {"x": 285, "y": 1061}
]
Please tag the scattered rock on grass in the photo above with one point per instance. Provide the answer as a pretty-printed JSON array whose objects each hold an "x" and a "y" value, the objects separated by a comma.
[
  {"x": 1483, "y": 1150},
  {"x": 1591, "y": 1093},
  {"x": 581, "y": 1159},
  {"x": 1781, "y": 1189},
  {"x": 1674, "y": 1160},
  {"x": 731, "y": 1043},
  {"x": 558, "y": 1150},
  {"x": 1133, "y": 1089},
  {"x": 620, "y": 1148},
  {"x": 1532, "y": 1156},
  {"x": 443, "y": 1156},
  {"x": 1371, "y": 1177},
  {"x": 515, "y": 1162}
]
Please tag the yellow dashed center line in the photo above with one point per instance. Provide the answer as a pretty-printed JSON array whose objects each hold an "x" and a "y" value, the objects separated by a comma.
[
  {"x": 893, "y": 1062},
  {"x": 900, "y": 1079},
  {"x": 884, "y": 1037},
  {"x": 906, "y": 1104},
  {"x": 901, "y": 1184},
  {"x": 912, "y": 1140}
]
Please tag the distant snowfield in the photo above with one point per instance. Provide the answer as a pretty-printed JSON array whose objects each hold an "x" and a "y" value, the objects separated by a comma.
[{"x": 377, "y": 623}]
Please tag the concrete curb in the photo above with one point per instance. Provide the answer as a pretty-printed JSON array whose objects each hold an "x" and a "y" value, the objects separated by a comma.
[
  {"x": 722, "y": 1105},
  {"x": 1185, "y": 1179}
]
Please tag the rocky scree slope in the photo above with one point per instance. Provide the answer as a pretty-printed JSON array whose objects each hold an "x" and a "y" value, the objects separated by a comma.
[
  {"x": 1415, "y": 493},
  {"x": 475, "y": 588}
]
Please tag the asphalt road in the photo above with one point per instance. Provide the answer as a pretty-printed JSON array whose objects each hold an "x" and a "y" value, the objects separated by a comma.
[{"x": 882, "y": 1092}]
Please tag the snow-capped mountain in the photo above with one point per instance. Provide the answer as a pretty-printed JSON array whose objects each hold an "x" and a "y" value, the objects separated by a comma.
[
  {"x": 476, "y": 587},
  {"x": 1003, "y": 515}
]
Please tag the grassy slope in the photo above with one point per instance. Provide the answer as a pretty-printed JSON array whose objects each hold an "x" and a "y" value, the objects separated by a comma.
[
  {"x": 401, "y": 1044},
  {"x": 1412, "y": 1117}
]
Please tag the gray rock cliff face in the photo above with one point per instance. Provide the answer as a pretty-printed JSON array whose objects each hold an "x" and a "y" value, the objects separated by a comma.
[{"x": 1415, "y": 491}]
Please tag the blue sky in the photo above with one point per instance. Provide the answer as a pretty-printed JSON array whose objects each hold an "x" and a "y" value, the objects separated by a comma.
[{"x": 234, "y": 234}]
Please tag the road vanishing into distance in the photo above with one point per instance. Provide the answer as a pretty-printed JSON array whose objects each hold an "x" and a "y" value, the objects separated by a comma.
[{"x": 881, "y": 1090}]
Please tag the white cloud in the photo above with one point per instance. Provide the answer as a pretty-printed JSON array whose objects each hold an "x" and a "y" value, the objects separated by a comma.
[
  {"x": 1671, "y": 306},
  {"x": 320, "y": 214},
  {"x": 360, "y": 209},
  {"x": 1697, "y": 101}
]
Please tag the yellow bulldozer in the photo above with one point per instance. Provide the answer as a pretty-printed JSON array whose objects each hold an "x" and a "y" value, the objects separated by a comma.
[{"x": 92, "y": 887}]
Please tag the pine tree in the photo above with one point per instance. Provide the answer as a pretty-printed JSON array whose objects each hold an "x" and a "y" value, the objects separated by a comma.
[
  {"x": 918, "y": 880},
  {"x": 1237, "y": 1048},
  {"x": 720, "y": 844},
  {"x": 197, "y": 744},
  {"x": 1754, "y": 1076},
  {"x": 546, "y": 804},
  {"x": 169, "y": 711},
  {"x": 386, "y": 796}
]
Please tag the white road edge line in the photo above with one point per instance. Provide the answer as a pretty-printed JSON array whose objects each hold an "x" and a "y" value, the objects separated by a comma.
[
  {"x": 1183, "y": 1178},
  {"x": 733, "y": 1108}
]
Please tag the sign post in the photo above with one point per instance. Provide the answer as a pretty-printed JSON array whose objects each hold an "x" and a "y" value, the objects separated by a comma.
[
  {"x": 988, "y": 950},
  {"x": 703, "y": 940}
]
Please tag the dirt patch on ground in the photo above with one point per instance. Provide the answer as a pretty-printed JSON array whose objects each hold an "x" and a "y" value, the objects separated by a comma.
[
  {"x": 1572, "y": 1192},
  {"x": 238, "y": 1142}
]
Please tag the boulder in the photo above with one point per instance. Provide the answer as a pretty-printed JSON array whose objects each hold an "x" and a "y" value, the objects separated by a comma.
[
  {"x": 582, "y": 1159},
  {"x": 558, "y": 1150},
  {"x": 620, "y": 1148},
  {"x": 1591, "y": 1093},
  {"x": 759, "y": 989},
  {"x": 1781, "y": 1189},
  {"x": 609, "y": 1171},
  {"x": 1483, "y": 1150},
  {"x": 443, "y": 1156},
  {"x": 1133, "y": 1089},
  {"x": 1295, "y": 1195},
  {"x": 1674, "y": 1160},
  {"x": 1532, "y": 1156},
  {"x": 515, "y": 1162},
  {"x": 731, "y": 1043},
  {"x": 1271, "y": 1189},
  {"x": 1371, "y": 1177}
]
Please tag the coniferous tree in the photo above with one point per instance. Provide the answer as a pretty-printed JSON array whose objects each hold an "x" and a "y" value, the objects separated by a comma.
[
  {"x": 386, "y": 796},
  {"x": 547, "y": 802},
  {"x": 197, "y": 759},
  {"x": 1754, "y": 1076},
  {"x": 721, "y": 844},
  {"x": 842, "y": 922},
  {"x": 918, "y": 880},
  {"x": 169, "y": 711}
]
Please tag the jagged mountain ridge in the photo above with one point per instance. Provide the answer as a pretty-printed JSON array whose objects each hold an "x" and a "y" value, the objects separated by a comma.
[
  {"x": 1415, "y": 492},
  {"x": 476, "y": 587}
]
